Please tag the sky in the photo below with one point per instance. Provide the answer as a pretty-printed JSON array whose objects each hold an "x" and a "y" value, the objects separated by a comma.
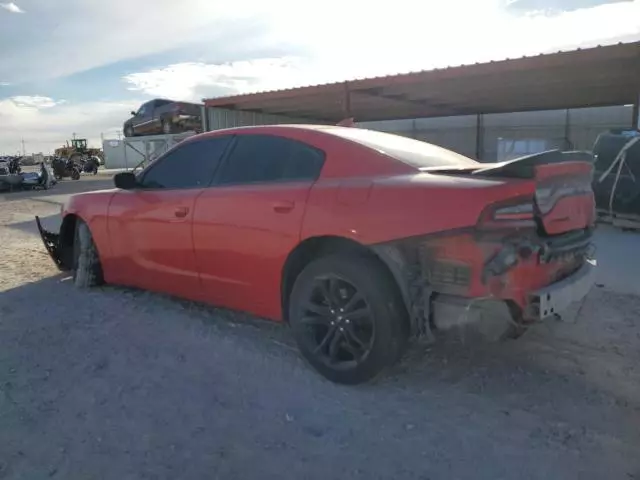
[{"x": 80, "y": 66}]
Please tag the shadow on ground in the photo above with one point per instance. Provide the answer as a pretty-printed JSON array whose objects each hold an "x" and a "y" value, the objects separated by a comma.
[{"x": 128, "y": 384}]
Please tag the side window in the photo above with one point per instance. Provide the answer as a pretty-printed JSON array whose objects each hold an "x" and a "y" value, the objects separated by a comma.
[
  {"x": 305, "y": 162},
  {"x": 144, "y": 109},
  {"x": 269, "y": 158},
  {"x": 189, "y": 165}
]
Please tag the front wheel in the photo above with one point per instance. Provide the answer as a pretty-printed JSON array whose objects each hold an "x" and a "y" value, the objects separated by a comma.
[
  {"x": 87, "y": 270},
  {"x": 347, "y": 318}
]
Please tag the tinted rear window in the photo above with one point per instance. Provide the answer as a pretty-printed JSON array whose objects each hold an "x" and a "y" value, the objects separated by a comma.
[{"x": 412, "y": 152}]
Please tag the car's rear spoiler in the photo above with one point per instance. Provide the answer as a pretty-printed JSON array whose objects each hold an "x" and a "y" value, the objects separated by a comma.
[
  {"x": 525, "y": 167},
  {"x": 521, "y": 167}
]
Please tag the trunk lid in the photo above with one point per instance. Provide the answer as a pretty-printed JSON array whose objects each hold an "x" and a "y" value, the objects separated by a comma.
[{"x": 563, "y": 199}]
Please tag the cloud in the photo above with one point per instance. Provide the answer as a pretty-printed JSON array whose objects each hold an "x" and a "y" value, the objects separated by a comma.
[
  {"x": 11, "y": 7},
  {"x": 204, "y": 48},
  {"x": 345, "y": 38},
  {"x": 555, "y": 5},
  {"x": 103, "y": 33},
  {"x": 45, "y": 123},
  {"x": 390, "y": 41},
  {"x": 187, "y": 81},
  {"x": 35, "y": 101}
]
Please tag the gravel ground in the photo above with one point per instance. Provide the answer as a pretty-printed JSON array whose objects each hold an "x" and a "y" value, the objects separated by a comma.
[{"x": 122, "y": 384}]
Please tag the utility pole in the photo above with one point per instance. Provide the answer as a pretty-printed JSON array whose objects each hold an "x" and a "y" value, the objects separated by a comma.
[{"x": 24, "y": 153}]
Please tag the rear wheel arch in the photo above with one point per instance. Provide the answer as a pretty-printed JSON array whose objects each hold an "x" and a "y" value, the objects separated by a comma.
[{"x": 316, "y": 247}]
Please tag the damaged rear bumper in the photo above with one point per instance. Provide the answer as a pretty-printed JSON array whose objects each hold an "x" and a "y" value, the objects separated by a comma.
[
  {"x": 556, "y": 298},
  {"x": 51, "y": 242},
  {"x": 450, "y": 281}
]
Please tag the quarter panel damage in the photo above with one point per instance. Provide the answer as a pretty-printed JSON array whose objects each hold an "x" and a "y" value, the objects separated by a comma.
[{"x": 469, "y": 276}]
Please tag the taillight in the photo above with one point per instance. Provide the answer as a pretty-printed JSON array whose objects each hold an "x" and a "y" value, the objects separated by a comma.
[
  {"x": 513, "y": 213},
  {"x": 548, "y": 196}
]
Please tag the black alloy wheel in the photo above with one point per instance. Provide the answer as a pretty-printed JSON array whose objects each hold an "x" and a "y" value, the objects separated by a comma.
[
  {"x": 341, "y": 330},
  {"x": 347, "y": 318}
]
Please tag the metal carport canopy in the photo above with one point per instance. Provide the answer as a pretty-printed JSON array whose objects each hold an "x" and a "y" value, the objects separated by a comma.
[{"x": 599, "y": 76}]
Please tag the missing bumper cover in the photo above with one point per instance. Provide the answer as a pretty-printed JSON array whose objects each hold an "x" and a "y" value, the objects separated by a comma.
[
  {"x": 52, "y": 244},
  {"x": 557, "y": 297}
]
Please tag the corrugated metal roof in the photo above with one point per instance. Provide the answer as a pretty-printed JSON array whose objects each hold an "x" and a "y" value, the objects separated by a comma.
[{"x": 618, "y": 65}]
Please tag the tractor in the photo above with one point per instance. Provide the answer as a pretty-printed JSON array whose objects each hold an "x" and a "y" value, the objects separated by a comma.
[
  {"x": 87, "y": 159},
  {"x": 77, "y": 151}
]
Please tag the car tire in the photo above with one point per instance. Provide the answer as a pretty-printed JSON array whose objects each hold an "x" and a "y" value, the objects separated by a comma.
[
  {"x": 87, "y": 269},
  {"x": 347, "y": 317}
]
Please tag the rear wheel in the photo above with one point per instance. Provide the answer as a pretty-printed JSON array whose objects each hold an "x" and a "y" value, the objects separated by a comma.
[
  {"x": 347, "y": 318},
  {"x": 87, "y": 270}
]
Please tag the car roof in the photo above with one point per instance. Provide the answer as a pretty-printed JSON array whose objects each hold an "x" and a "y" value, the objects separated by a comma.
[
  {"x": 416, "y": 153},
  {"x": 282, "y": 126}
]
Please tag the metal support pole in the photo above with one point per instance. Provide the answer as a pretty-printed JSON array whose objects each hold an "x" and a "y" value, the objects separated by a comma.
[
  {"x": 205, "y": 118},
  {"x": 568, "y": 145},
  {"x": 126, "y": 160},
  {"x": 479, "y": 137},
  {"x": 146, "y": 153},
  {"x": 347, "y": 101}
]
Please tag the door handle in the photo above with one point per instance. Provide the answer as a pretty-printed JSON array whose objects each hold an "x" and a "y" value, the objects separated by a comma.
[
  {"x": 283, "y": 207},
  {"x": 181, "y": 212}
]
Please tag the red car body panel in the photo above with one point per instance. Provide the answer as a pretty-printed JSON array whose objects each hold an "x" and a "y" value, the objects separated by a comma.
[
  {"x": 93, "y": 208},
  {"x": 242, "y": 238},
  {"x": 228, "y": 245},
  {"x": 151, "y": 238}
]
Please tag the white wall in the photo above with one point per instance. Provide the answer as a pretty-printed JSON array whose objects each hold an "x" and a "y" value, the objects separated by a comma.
[{"x": 129, "y": 152}]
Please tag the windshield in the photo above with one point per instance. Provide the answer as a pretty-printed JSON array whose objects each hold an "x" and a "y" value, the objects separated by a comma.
[{"x": 413, "y": 152}]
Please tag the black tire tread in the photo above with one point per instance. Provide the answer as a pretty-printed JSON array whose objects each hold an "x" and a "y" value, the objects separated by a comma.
[
  {"x": 383, "y": 297},
  {"x": 87, "y": 269}
]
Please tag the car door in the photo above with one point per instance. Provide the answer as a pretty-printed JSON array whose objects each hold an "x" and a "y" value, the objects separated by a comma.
[
  {"x": 142, "y": 122},
  {"x": 150, "y": 227},
  {"x": 248, "y": 222}
]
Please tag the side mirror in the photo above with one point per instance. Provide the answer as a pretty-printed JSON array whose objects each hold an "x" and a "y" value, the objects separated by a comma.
[
  {"x": 133, "y": 113},
  {"x": 125, "y": 180}
]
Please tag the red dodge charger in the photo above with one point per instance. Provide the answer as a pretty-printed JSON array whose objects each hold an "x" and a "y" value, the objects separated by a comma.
[{"x": 359, "y": 240}]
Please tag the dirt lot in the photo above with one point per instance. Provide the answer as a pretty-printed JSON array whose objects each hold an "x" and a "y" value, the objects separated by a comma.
[{"x": 122, "y": 384}]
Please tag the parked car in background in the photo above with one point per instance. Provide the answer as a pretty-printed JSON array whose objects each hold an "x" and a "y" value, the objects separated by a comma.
[
  {"x": 359, "y": 239},
  {"x": 4, "y": 166},
  {"x": 164, "y": 116}
]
